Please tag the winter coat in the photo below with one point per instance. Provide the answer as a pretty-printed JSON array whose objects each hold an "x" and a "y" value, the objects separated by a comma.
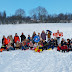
[
  {"x": 31, "y": 44},
  {"x": 2, "y": 40},
  {"x": 45, "y": 43},
  {"x": 33, "y": 36},
  {"x": 11, "y": 40},
  {"x": 62, "y": 43},
  {"x": 68, "y": 43},
  {"x": 49, "y": 35},
  {"x": 35, "y": 45},
  {"x": 58, "y": 48},
  {"x": 64, "y": 48},
  {"x": 9, "y": 45},
  {"x": 23, "y": 37},
  {"x": 55, "y": 43},
  {"x": 16, "y": 38},
  {"x": 43, "y": 36},
  {"x": 70, "y": 46},
  {"x": 51, "y": 43},
  {"x": 6, "y": 41},
  {"x": 17, "y": 45}
]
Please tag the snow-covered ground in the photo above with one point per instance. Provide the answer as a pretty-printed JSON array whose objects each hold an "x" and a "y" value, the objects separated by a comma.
[{"x": 30, "y": 61}]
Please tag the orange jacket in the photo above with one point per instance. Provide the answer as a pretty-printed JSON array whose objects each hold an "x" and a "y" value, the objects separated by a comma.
[
  {"x": 6, "y": 41},
  {"x": 16, "y": 38}
]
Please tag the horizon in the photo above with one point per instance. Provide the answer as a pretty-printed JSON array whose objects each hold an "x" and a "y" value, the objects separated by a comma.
[{"x": 53, "y": 7}]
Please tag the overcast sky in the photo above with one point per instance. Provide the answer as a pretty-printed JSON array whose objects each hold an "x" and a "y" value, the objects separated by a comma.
[{"x": 52, "y": 6}]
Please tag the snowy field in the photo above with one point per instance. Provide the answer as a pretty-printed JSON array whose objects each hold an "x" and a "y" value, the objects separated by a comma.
[{"x": 30, "y": 61}]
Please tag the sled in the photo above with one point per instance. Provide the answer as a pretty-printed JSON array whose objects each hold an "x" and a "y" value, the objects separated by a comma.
[
  {"x": 58, "y": 35},
  {"x": 36, "y": 49},
  {"x": 36, "y": 39},
  {"x": 49, "y": 49},
  {"x": 1, "y": 49}
]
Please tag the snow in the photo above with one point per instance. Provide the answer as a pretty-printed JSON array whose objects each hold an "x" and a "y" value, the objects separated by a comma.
[{"x": 30, "y": 61}]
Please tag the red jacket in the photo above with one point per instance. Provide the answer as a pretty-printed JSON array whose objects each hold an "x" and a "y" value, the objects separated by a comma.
[
  {"x": 64, "y": 47},
  {"x": 58, "y": 48},
  {"x": 16, "y": 38}
]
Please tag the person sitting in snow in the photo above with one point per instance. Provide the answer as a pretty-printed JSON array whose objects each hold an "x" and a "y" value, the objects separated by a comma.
[
  {"x": 45, "y": 45},
  {"x": 8, "y": 39},
  {"x": 59, "y": 47},
  {"x": 64, "y": 46},
  {"x": 55, "y": 42},
  {"x": 71, "y": 40},
  {"x": 51, "y": 44},
  {"x": 17, "y": 45},
  {"x": 9, "y": 47},
  {"x": 35, "y": 45},
  {"x": 62, "y": 41},
  {"x": 31, "y": 45},
  {"x": 68, "y": 42},
  {"x": 24, "y": 45},
  {"x": 23, "y": 37},
  {"x": 70, "y": 47}
]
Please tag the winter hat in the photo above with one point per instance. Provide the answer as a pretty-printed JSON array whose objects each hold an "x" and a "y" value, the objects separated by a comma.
[{"x": 22, "y": 33}]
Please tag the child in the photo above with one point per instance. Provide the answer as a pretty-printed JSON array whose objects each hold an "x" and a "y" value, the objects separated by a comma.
[
  {"x": 17, "y": 45},
  {"x": 51, "y": 44},
  {"x": 68, "y": 42},
  {"x": 64, "y": 48},
  {"x": 62, "y": 41},
  {"x": 71, "y": 40},
  {"x": 59, "y": 47},
  {"x": 70, "y": 47},
  {"x": 29, "y": 37},
  {"x": 31, "y": 45},
  {"x": 24, "y": 45},
  {"x": 55, "y": 42},
  {"x": 49, "y": 35},
  {"x": 35, "y": 45},
  {"x": 9, "y": 47},
  {"x": 45, "y": 45}
]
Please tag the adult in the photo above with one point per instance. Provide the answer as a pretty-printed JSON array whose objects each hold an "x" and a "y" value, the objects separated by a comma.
[
  {"x": 11, "y": 39},
  {"x": 34, "y": 34},
  {"x": 16, "y": 38},
  {"x": 58, "y": 35},
  {"x": 3, "y": 39},
  {"x": 23, "y": 37},
  {"x": 43, "y": 35}
]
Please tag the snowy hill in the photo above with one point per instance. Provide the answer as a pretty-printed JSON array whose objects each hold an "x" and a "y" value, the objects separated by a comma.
[{"x": 30, "y": 61}]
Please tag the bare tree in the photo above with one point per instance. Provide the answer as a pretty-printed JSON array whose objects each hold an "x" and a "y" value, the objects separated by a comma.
[
  {"x": 39, "y": 13},
  {"x": 20, "y": 12}
]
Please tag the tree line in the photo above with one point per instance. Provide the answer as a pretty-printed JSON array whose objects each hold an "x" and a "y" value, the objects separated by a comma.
[{"x": 37, "y": 15}]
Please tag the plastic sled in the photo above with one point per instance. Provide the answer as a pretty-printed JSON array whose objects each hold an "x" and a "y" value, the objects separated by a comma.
[
  {"x": 49, "y": 49},
  {"x": 1, "y": 50}
]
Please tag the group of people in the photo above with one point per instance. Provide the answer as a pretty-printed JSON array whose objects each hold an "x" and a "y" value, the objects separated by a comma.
[{"x": 25, "y": 43}]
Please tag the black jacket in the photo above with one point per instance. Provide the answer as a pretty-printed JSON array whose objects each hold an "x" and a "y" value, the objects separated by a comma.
[{"x": 23, "y": 37}]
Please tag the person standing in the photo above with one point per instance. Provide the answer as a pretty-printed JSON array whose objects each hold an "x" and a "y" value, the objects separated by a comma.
[
  {"x": 16, "y": 38},
  {"x": 23, "y": 37},
  {"x": 43, "y": 35}
]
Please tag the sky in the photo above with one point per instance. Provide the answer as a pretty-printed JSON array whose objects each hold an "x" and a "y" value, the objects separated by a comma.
[{"x": 52, "y": 6}]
